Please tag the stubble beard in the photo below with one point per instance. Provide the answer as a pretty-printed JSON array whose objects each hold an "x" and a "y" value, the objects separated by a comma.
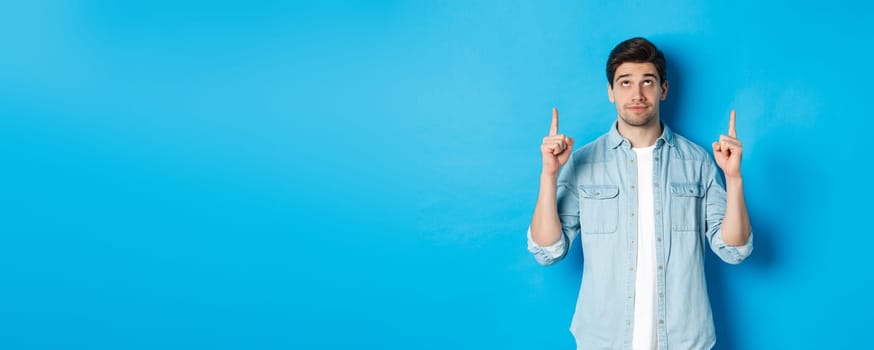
[{"x": 638, "y": 121}]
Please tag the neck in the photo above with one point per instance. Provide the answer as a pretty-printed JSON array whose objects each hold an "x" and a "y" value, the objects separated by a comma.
[{"x": 641, "y": 136}]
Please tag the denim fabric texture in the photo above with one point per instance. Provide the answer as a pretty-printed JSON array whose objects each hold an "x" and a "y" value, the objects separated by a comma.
[{"x": 597, "y": 202}]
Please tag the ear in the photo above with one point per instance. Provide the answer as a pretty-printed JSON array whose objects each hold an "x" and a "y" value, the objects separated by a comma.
[
  {"x": 610, "y": 93},
  {"x": 664, "y": 90}
]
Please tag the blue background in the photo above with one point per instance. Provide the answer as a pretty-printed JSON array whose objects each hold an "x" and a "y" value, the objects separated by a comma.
[{"x": 339, "y": 174}]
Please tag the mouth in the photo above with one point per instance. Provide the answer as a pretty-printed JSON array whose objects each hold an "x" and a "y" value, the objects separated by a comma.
[{"x": 636, "y": 108}]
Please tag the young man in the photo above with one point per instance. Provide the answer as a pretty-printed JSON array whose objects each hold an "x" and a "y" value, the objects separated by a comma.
[{"x": 645, "y": 201}]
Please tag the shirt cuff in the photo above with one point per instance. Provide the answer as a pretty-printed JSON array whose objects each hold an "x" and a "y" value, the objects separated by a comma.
[
  {"x": 735, "y": 255},
  {"x": 747, "y": 248},
  {"x": 547, "y": 254}
]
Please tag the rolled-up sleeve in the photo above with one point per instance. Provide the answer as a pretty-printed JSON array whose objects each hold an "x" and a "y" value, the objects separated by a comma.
[
  {"x": 728, "y": 253},
  {"x": 568, "y": 214},
  {"x": 550, "y": 254},
  {"x": 715, "y": 213}
]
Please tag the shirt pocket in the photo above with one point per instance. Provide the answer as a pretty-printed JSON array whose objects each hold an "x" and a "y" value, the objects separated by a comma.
[
  {"x": 686, "y": 202},
  {"x": 599, "y": 208}
]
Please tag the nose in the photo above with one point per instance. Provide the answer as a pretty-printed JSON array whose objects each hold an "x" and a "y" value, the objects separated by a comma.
[{"x": 637, "y": 94}]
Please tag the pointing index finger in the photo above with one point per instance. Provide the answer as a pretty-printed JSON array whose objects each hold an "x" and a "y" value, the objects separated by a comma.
[
  {"x": 553, "y": 130},
  {"x": 731, "y": 130}
]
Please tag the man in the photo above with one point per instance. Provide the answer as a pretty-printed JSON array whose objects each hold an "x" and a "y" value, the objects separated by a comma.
[{"x": 644, "y": 201}]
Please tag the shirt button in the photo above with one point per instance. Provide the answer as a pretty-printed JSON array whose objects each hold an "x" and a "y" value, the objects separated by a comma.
[
  {"x": 661, "y": 321},
  {"x": 632, "y": 187},
  {"x": 632, "y": 214},
  {"x": 632, "y": 241},
  {"x": 659, "y": 239},
  {"x": 661, "y": 267},
  {"x": 656, "y": 159}
]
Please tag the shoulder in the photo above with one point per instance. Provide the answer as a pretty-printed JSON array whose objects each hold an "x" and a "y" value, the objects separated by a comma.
[
  {"x": 595, "y": 151},
  {"x": 687, "y": 150}
]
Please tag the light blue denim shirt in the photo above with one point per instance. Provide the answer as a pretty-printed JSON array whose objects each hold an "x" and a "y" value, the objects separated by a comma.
[{"x": 597, "y": 200}]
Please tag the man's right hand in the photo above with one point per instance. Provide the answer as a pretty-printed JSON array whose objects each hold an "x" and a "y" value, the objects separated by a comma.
[{"x": 556, "y": 148}]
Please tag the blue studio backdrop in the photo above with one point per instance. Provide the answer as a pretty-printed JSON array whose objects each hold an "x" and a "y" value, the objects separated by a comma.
[{"x": 360, "y": 174}]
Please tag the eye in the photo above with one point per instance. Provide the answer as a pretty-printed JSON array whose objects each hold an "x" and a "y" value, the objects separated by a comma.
[
  {"x": 625, "y": 83},
  {"x": 648, "y": 82}
]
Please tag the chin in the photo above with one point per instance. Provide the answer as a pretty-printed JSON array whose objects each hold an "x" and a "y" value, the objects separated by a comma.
[{"x": 643, "y": 121}]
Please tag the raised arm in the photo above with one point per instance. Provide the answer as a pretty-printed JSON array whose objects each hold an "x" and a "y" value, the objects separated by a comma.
[
  {"x": 727, "y": 152},
  {"x": 555, "y": 151}
]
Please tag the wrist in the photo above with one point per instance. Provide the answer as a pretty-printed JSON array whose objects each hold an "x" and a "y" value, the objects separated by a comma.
[
  {"x": 734, "y": 178},
  {"x": 546, "y": 175},
  {"x": 734, "y": 181}
]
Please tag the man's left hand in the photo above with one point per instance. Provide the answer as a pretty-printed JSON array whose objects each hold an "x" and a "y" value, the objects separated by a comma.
[{"x": 728, "y": 150}]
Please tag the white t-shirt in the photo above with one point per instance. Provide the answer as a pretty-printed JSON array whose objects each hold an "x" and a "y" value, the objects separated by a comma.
[{"x": 644, "y": 333}]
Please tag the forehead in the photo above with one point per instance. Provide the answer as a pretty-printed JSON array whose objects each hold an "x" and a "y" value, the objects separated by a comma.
[{"x": 635, "y": 69}]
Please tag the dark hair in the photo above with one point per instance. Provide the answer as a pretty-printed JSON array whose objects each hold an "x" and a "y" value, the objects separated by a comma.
[{"x": 636, "y": 50}]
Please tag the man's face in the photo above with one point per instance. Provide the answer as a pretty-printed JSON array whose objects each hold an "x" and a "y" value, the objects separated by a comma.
[{"x": 636, "y": 92}]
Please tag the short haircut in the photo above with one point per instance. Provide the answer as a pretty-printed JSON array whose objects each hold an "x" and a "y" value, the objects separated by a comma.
[{"x": 636, "y": 50}]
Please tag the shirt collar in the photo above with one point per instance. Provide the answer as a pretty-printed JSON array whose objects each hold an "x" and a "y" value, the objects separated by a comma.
[{"x": 615, "y": 139}]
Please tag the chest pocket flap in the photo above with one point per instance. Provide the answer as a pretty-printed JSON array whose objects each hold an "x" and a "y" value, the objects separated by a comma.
[
  {"x": 599, "y": 191},
  {"x": 686, "y": 190}
]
